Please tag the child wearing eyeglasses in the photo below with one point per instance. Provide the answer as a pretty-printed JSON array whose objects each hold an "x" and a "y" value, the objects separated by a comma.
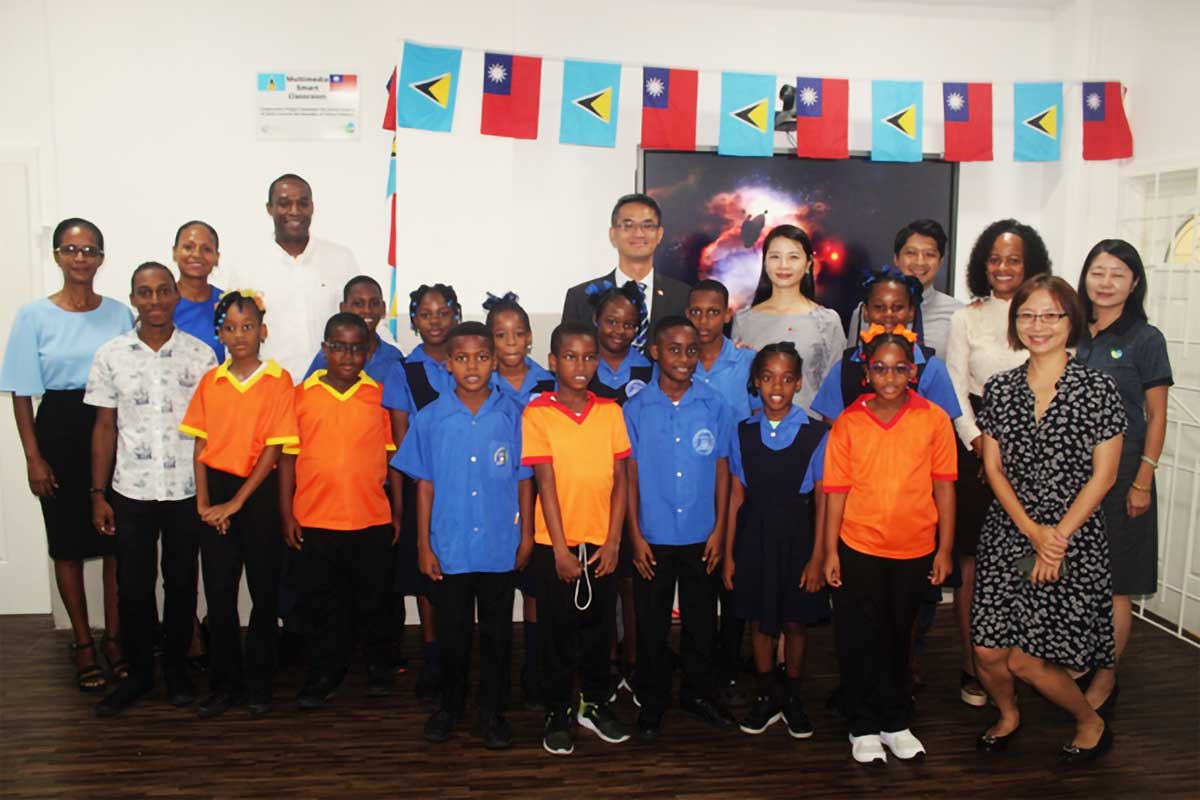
[
  {"x": 362, "y": 296},
  {"x": 890, "y": 467},
  {"x": 336, "y": 513}
]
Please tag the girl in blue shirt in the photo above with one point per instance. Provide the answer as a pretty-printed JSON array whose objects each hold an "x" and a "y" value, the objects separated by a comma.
[
  {"x": 49, "y": 354},
  {"x": 196, "y": 253}
]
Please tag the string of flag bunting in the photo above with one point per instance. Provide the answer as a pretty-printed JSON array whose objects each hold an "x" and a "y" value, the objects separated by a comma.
[{"x": 429, "y": 79}]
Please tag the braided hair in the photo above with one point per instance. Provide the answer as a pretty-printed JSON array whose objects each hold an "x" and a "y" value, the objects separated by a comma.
[
  {"x": 244, "y": 299},
  {"x": 507, "y": 302},
  {"x": 887, "y": 337},
  {"x": 417, "y": 295},
  {"x": 602, "y": 292},
  {"x": 889, "y": 275},
  {"x": 760, "y": 359}
]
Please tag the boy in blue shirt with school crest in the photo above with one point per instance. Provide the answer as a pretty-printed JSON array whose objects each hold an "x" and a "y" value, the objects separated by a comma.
[
  {"x": 474, "y": 528},
  {"x": 678, "y": 501}
]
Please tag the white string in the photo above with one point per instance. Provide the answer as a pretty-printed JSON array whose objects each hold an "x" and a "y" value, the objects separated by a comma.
[{"x": 583, "y": 579}]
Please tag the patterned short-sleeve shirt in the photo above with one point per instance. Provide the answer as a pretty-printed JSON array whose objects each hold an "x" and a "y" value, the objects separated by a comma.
[{"x": 150, "y": 391}]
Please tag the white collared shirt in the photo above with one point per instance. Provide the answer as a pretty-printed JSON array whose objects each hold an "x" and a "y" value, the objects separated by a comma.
[
  {"x": 150, "y": 391},
  {"x": 620, "y": 277},
  {"x": 978, "y": 349},
  {"x": 300, "y": 294}
]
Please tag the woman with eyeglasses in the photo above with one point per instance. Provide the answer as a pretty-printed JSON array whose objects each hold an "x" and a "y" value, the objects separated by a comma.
[
  {"x": 785, "y": 309},
  {"x": 1004, "y": 256},
  {"x": 1052, "y": 433},
  {"x": 1119, "y": 341},
  {"x": 49, "y": 354}
]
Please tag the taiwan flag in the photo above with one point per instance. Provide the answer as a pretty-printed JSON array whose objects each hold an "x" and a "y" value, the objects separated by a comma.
[
  {"x": 669, "y": 108},
  {"x": 1106, "y": 133},
  {"x": 822, "y": 113},
  {"x": 512, "y": 92},
  {"x": 967, "y": 112}
]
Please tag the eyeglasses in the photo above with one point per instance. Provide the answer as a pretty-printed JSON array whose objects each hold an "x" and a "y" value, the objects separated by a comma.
[
  {"x": 70, "y": 251},
  {"x": 352, "y": 349},
  {"x": 1046, "y": 318},
  {"x": 629, "y": 226},
  {"x": 882, "y": 370}
]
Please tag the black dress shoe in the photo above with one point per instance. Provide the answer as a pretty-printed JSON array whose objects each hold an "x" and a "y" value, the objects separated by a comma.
[
  {"x": 181, "y": 696},
  {"x": 496, "y": 732},
  {"x": 127, "y": 693},
  {"x": 440, "y": 726},
  {"x": 380, "y": 681},
  {"x": 259, "y": 705},
  {"x": 316, "y": 691},
  {"x": 649, "y": 725},
  {"x": 215, "y": 705},
  {"x": 1072, "y": 754},
  {"x": 706, "y": 710},
  {"x": 987, "y": 743}
]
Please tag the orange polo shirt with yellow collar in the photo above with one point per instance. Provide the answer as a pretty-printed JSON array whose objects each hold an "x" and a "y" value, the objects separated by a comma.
[{"x": 237, "y": 419}]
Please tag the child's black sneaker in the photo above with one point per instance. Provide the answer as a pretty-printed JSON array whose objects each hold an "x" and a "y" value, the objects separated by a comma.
[
  {"x": 496, "y": 732},
  {"x": 557, "y": 738},
  {"x": 600, "y": 720},
  {"x": 765, "y": 711},
  {"x": 440, "y": 726},
  {"x": 380, "y": 681},
  {"x": 797, "y": 721}
]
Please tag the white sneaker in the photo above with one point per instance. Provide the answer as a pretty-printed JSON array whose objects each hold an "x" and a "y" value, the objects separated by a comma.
[
  {"x": 866, "y": 749},
  {"x": 903, "y": 744}
]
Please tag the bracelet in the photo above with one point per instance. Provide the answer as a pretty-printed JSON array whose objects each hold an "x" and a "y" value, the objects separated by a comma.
[
  {"x": 1150, "y": 461},
  {"x": 1140, "y": 488},
  {"x": 95, "y": 490}
]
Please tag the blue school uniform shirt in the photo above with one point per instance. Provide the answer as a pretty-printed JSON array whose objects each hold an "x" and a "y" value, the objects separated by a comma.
[
  {"x": 198, "y": 320},
  {"x": 676, "y": 448},
  {"x": 474, "y": 463},
  {"x": 730, "y": 376},
  {"x": 615, "y": 379},
  {"x": 378, "y": 366},
  {"x": 50, "y": 349},
  {"x": 779, "y": 437},
  {"x": 934, "y": 386},
  {"x": 397, "y": 395},
  {"x": 536, "y": 375}
]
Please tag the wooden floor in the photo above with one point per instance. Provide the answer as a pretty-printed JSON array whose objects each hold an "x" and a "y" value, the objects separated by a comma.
[{"x": 52, "y": 746}]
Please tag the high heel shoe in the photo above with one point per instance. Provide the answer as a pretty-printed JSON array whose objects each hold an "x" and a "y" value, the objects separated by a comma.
[
  {"x": 1073, "y": 754},
  {"x": 987, "y": 743}
]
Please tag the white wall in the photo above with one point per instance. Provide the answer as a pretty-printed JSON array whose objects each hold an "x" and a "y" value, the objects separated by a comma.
[{"x": 142, "y": 115}]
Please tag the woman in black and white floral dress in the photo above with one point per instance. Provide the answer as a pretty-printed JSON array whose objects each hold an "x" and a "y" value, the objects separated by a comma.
[{"x": 1043, "y": 593}]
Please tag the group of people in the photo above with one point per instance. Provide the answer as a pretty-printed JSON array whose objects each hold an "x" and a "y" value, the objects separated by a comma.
[{"x": 772, "y": 476}]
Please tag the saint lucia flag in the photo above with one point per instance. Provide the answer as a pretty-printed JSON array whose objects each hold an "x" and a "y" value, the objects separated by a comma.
[
  {"x": 747, "y": 115},
  {"x": 1037, "y": 117},
  {"x": 428, "y": 85},
  {"x": 590, "y": 98},
  {"x": 896, "y": 120}
]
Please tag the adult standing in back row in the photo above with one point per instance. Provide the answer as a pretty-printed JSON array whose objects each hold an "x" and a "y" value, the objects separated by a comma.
[
  {"x": 298, "y": 274},
  {"x": 635, "y": 232}
]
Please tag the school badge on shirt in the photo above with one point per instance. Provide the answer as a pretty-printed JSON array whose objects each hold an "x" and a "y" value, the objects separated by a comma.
[
  {"x": 500, "y": 456},
  {"x": 703, "y": 442}
]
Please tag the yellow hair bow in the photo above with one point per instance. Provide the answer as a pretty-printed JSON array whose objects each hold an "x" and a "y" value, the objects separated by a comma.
[{"x": 250, "y": 294}]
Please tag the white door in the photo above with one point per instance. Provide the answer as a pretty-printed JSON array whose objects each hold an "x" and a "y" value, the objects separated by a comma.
[{"x": 24, "y": 568}]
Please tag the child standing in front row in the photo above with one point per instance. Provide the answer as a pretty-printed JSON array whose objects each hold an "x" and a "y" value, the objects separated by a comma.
[
  {"x": 678, "y": 500},
  {"x": 474, "y": 528},
  {"x": 576, "y": 444},
  {"x": 890, "y": 469},
  {"x": 336, "y": 514},
  {"x": 522, "y": 379},
  {"x": 242, "y": 414},
  {"x": 773, "y": 564},
  {"x": 414, "y": 383}
]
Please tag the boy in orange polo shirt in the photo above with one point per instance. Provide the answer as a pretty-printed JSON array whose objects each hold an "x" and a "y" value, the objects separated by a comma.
[
  {"x": 336, "y": 513},
  {"x": 242, "y": 414},
  {"x": 576, "y": 444},
  {"x": 890, "y": 467}
]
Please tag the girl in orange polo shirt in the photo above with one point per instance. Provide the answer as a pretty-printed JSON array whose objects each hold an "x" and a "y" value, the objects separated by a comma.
[{"x": 890, "y": 467}]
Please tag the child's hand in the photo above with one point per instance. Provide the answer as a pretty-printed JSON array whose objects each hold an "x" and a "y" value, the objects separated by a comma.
[
  {"x": 103, "y": 518},
  {"x": 397, "y": 525},
  {"x": 714, "y": 548},
  {"x": 428, "y": 563},
  {"x": 41, "y": 478},
  {"x": 606, "y": 554},
  {"x": 293, "y": 534},
  {"x": 643, "y": 558},
  {"x": 833, "y": 571},
  {"x": 218, "y": 515},
  {"x": 942, "y": 567},
  {"x": 814, "y": 575},
  {"x": 566, "y": 565},
  {"x": 727, "y": 570},
  {"x": 524, "y": 552}
]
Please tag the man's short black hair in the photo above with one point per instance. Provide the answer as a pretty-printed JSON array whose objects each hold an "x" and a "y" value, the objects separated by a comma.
[
  {"x": 287, "y": 176},
  {"x": 636, "y": 197},
  {"x": 145, "y": 265},
  {"x": 344, "y": 319},
  {"x": 570, "y": 328},
  {"x": 921, "y": 227},
  {"x": 355, "y": 281},
  {"x": 470, "y": 328}
]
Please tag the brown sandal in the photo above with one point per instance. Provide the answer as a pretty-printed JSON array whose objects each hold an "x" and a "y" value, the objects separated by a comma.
[{"x": 89, "y": 678}]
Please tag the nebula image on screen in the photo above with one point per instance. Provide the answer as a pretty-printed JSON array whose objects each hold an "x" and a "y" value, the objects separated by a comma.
[{"x": 718, "y": 210}]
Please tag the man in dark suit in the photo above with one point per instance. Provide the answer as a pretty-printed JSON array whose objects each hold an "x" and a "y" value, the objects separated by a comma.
[{"x": 635, "y": 232}]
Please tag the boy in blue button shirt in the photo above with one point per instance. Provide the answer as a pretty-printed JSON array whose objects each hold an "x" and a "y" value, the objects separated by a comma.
[
  {"x": 474, "y": 527},
  {"x": 678, "y": 500},
  {"x": 720, "y": 363}
]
